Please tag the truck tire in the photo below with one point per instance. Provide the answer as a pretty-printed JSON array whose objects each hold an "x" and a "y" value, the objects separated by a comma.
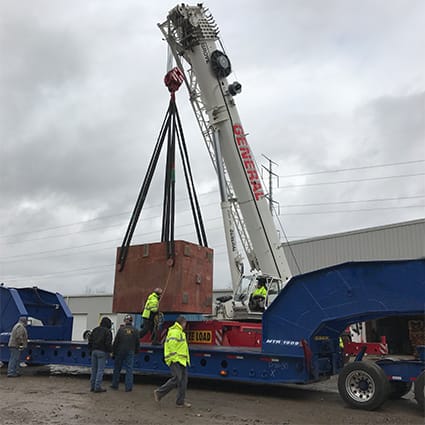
[
  {"x": 420, "y": 391},
  {"x": 363, "y": 385},
  {"x": 399, "y": 389}
]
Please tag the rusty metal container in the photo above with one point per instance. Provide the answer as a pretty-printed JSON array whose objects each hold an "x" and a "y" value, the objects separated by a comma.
[{"x": 187, "y": 283}]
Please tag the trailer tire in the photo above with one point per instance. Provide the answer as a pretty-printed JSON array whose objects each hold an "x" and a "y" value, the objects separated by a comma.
[
  {"x": 399, "y": 389},
  {"x": 420, "y": 391},
  {"x": 363, "y": 385}
]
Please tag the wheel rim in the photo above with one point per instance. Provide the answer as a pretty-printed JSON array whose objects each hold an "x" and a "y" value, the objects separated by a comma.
[{"x": 360, "y": 386}]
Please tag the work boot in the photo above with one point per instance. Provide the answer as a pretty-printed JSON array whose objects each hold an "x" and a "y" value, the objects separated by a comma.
[
  {"x": 100, "y": 390},
  {"x": 185, "y": 404}
]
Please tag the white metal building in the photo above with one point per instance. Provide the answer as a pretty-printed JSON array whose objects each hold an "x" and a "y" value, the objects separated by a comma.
[
  {"x": 398, "y": 241},
  {"x": 88, "y": 311}
]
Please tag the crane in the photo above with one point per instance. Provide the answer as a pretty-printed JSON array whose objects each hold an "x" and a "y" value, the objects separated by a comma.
[{"x": 193, "y": 38}]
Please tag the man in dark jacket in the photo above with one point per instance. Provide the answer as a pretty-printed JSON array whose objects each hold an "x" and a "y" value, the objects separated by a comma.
[
  {"x": 100, "y": 346},
  {"x": 126, "y": 345}
]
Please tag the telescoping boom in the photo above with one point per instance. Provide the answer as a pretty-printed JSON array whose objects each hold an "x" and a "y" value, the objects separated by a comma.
[{"x": 193, "y": 38}]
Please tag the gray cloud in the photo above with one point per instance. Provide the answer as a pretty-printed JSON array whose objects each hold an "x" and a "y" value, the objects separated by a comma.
[{"x": 397, "y": 124}]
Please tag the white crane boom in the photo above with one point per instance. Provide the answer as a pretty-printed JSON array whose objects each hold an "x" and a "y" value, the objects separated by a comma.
[{"x": 192, "y": 35}]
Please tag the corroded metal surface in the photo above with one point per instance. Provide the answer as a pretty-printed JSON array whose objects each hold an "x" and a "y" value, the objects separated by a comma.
[{"x": 187, "y": 283}]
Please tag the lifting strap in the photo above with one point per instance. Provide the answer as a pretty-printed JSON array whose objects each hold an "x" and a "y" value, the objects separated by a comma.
[{"x": 172, "y": 131}]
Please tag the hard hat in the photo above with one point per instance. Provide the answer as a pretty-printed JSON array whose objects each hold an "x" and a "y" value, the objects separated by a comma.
[
  {"x": 158, "y": 291},
  {"x": 181, "y": 320},
  {"x": 128, "y": 318}
]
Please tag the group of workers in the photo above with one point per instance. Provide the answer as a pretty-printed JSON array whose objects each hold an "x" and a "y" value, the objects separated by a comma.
[
  {"x": 126, "y": 345},
  {"x": 122, "y": 349}
]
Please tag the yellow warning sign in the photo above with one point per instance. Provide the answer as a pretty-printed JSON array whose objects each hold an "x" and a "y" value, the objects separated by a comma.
[{"x": 199, "y": 337}]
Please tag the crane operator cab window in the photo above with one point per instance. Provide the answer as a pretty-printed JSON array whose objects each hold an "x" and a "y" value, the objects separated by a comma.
[{"x": 257, "y": 299}]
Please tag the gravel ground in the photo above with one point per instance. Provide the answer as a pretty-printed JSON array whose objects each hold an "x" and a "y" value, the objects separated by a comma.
[{"x": 44, "y": 396}]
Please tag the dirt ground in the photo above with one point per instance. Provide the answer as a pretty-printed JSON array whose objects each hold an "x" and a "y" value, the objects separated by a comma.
[{"x": 42, "y": 397}]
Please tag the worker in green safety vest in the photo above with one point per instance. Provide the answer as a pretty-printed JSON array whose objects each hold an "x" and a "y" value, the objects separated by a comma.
[
  {"x": 260, "y": 290},
  {"x": 258, "y": 297},
  {"x": 176, "y": 356},
  {"x": 150, "y": 316}
]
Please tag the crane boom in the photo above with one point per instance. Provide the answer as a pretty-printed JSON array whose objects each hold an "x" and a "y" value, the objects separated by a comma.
[{"x": 193, "y": 36}]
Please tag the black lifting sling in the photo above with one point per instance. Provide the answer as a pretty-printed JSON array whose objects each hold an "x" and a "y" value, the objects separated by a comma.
[{"x": 171, "y": 131}]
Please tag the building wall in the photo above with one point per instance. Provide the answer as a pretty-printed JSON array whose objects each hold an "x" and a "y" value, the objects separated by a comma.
[
  {"x": 88, "y": 311},
  {"x": 392, "y": 242}
]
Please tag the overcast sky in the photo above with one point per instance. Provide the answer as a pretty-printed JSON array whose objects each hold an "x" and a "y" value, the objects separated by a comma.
[{"x": 330, "y": 85}]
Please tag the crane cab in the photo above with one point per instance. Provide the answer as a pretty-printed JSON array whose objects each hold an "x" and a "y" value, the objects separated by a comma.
[{"x": 246, "y": 304}]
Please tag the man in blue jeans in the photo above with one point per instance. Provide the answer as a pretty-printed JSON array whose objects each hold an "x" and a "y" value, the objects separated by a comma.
[
  {"x": 18, "y": 341},
  {"x": 100, "y": 347},
  {"x": 126, "y": 345}
]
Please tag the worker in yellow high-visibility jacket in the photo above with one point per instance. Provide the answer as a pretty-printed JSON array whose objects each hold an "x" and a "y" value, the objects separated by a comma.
[
  {"x": 176, "y": 356},
  {"x": 260, "y": 291},
  {"x": 258, "y": 297},
  {"x": 150, "y": 313}
]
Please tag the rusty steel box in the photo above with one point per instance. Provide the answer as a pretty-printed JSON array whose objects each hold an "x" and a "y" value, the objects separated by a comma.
[{"x": 187, "y": 284}]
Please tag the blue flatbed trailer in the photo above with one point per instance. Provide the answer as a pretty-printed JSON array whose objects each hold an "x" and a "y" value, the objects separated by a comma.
[{"x": 300, "y": 336}]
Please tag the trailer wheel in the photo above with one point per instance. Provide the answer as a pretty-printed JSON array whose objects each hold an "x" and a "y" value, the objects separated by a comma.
[
  {"x": 420, "y": 391},
  {"x": 399, "y": 389},
  {"x": 363, "y": 385}
]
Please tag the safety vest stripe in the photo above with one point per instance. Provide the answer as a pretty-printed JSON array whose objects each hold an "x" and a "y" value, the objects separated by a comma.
[
  {"x": 175, "y": 354},
  {"x": 175, "y": 339}
]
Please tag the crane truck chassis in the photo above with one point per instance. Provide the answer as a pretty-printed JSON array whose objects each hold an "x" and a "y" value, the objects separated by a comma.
[{"x": 300, "y": 333}]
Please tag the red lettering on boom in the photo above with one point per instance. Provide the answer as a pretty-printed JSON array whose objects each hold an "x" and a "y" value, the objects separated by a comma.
[
  {"x": 241, "y": 141},
  {"x": 245, "y": 152},
  {"x": 248, "y": 162}
]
